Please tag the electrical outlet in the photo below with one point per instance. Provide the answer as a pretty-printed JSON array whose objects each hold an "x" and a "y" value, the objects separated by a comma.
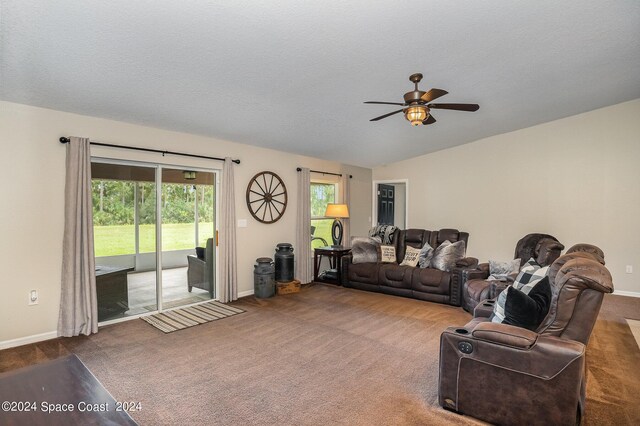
[
  {"x": 242, "y": 223},
  {"x": 33, "y": 297},
  {"x": 629, "y": 269}
]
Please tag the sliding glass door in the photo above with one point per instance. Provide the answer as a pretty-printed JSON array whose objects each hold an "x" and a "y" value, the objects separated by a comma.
[
  {"x": 146, "y": 216},
  {"x": 187, "y": 223}
]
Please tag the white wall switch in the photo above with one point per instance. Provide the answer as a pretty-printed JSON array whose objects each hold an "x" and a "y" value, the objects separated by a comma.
[
  {"x": 33, "y": 297},
  {"x": 242, "y": 223},
  {"x": 629, "y": 269}
]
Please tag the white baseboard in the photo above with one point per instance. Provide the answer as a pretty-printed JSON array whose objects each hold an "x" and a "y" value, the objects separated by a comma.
[
  {"x": 28, "y": 339},
  {"x": 245, "y": 293},
  {"x": 626, "y": 293}
]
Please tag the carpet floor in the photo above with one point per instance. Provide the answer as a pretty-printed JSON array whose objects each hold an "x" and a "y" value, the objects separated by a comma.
[{"x": 326, "y": 355}]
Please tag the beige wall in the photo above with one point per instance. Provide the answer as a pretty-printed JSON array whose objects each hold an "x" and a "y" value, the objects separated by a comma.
[
  {"x": 577, "y": 178},
  {"x": 32, "y": 193}
]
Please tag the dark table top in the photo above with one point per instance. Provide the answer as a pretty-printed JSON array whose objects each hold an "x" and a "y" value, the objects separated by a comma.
[
  {"x": 58, "y": 392},
  {"x": 106, "y": 270},
  {"x": 333, "y": 249}
]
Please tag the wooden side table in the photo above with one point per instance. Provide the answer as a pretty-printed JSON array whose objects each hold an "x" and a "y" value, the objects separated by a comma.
[{"x": 334, "y": 253}]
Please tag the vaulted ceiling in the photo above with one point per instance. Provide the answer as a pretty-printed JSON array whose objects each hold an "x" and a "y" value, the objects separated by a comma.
[{"x": 293, "y": 75}]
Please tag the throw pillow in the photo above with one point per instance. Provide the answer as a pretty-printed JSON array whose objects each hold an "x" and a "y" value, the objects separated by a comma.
[
  {"x": 426, "y": 254},
  {"x": 530, "y": 274},
  {"x": 364, "y": 249},
  {"x": 499, "y": 271},
  {"x": 411, "y": 256},
  {"x": 385, "y": 232},
  {"x": 527, "y": 310},
  {"x": 387, "y": 254},
  {"x": 447, "y": 254}
]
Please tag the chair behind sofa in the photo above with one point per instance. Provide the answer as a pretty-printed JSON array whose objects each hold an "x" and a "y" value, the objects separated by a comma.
[{"x": 200, "y": 272}]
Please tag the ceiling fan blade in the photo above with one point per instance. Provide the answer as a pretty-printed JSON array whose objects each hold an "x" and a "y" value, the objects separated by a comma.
[
  {"x": 457, "y": 107},
  {"x": 383, "y": 103},
  {"x": 386, "y": 115},
  {"x": 433, "y": 94},
  {"x": 429, "y": 120}
]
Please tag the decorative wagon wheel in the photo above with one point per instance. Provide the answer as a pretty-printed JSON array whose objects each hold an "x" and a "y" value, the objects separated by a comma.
[{"x": 266, "y": 197}]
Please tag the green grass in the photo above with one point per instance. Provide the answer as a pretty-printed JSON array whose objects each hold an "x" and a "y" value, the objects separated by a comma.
[
  {"x": 323, "y": 230},
  {"x": 120, "y": 239}
]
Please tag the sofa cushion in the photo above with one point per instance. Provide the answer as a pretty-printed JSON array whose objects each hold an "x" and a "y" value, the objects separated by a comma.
[
  {"x": 477, "y": 291},
  {"x": 447, "y": 254},
  {"x": 523, "y": 308},
  {"x": 410, "y": 238},
  {"x": 426, "y": 254},
  {"x": 447, "y": 234},
  {"x": 387, "y": 254},
  {"x": 393, "y": 275},
  {"x": 364, "y": 273},
  {"x": 410, "y": 256},
  {"x": 430, "y": 280},
  {"x": 364, "y": 250}
]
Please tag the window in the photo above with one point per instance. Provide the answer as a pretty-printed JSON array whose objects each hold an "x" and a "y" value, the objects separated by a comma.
[
  {"x": 124, "y": 215},
  {"x": 124, "y": 209},
  {"x": 321, "y": 195}
]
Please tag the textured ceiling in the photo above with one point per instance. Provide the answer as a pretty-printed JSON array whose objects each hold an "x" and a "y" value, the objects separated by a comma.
[{"x": 292, "y": 75}]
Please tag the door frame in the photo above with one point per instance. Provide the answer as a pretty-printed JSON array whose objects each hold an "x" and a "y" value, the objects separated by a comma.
[
  {"x": 158, "y": 166},
  {"x": 374, "y": 195}
]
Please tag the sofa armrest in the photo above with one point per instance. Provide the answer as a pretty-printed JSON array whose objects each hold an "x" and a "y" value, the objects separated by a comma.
[
  {"x": 477, "y": 273},
  {"x": 505, "y": 334},
  {"x": 484, "y": 309},
  {"x": 467, "y": 262},
  {"x": 345, "y": 261},
  {"x": 483, "y": 371},
  {"x": 514, "y": 348}
]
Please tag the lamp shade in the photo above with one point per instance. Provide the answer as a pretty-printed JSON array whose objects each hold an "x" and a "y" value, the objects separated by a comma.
[
  {"x": 337, "y": 210},
  {"x": 416, "y": 114}
]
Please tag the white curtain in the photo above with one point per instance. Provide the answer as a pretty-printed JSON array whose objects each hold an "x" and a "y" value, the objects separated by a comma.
[
  {"x": 304, "y": 263},
  {"x": 346, "y": 223},
  {"x": 78, "y": 300},
  {"x": 227, "y": 237}
]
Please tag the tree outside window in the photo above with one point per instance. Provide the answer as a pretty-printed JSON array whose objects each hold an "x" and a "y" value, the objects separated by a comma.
[{"x": 321, "y": 195}]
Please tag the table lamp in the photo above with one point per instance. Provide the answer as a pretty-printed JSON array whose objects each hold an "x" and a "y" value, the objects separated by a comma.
[{"x": 337, "y": 211}]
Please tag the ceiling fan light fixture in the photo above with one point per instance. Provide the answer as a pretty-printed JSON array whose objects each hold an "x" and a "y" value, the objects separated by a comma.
[{"x": 416, "y": 114}]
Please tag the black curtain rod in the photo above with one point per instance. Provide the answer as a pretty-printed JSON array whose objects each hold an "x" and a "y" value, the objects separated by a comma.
[
  {"x": 67, "y": 140},
  {"x": 299, "y": 169}
]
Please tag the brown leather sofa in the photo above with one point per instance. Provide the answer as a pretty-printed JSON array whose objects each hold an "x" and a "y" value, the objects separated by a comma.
[
  {"x": 427, "y": 284},
  {"x": 475, "y": 286},
  {"x": 504, "y": 374}
]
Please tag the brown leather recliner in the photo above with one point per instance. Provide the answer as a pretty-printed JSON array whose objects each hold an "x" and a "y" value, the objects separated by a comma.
[
  {"x": 510, "y": 375},
  {"x": 475, "y": 286}
]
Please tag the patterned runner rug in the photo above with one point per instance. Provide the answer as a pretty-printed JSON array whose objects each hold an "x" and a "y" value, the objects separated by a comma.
[{"x": 179, "y": 319}]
